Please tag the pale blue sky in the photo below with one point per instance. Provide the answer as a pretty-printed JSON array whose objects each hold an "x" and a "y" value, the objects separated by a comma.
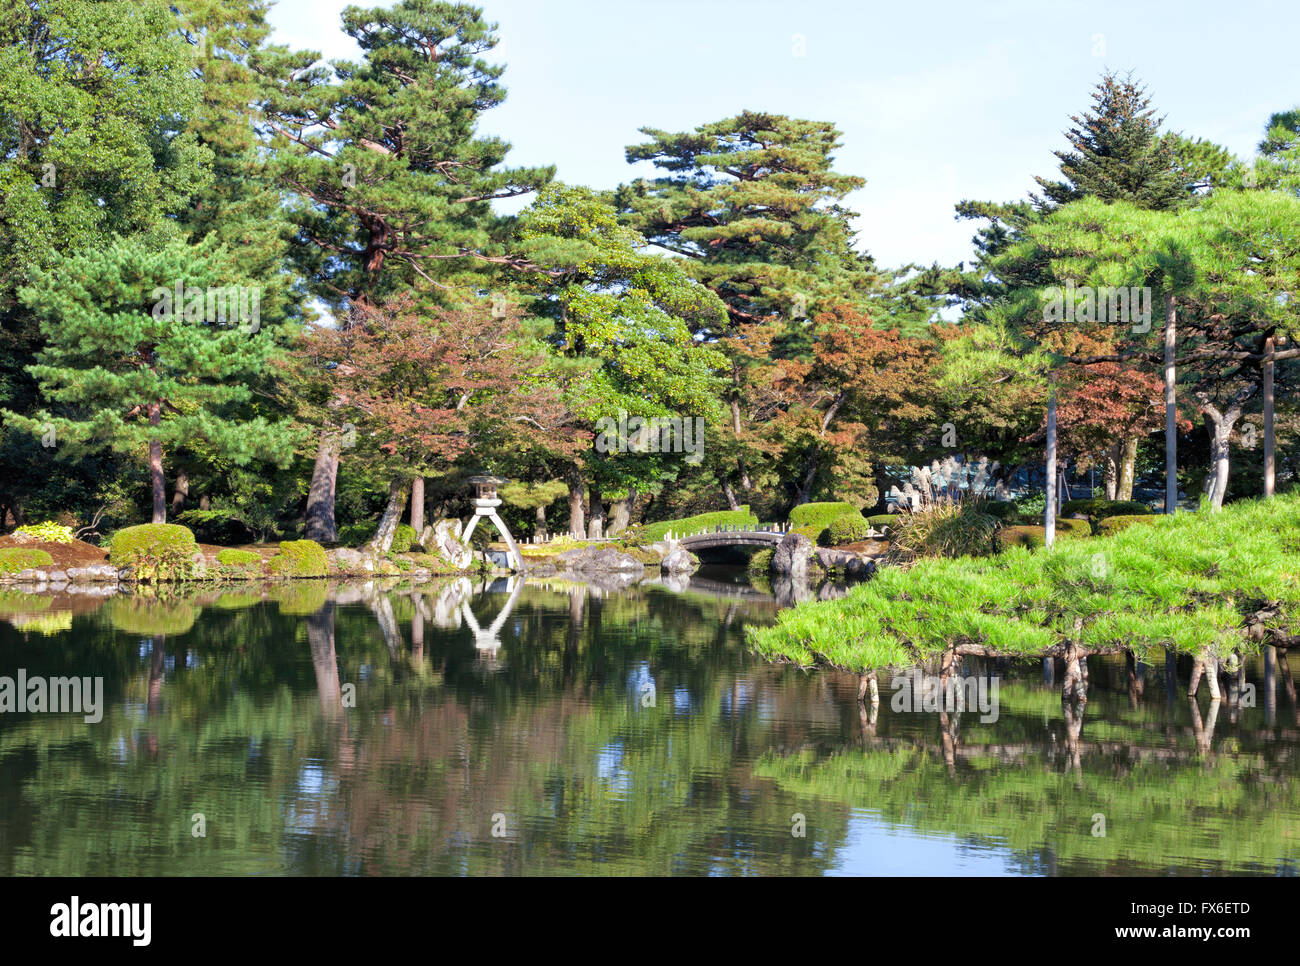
[{"x": 937, "y": 101}]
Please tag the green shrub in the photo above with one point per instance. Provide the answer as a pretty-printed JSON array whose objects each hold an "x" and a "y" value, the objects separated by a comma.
[
  {"x": 848, "y": 528},
  {"x": 760, "y": 564},
  {"x": 943, "y": 530},
  {"x": 47, "y": 532},
  {"x": 14, "y": 560},
  {"x": 1072, "y": 528},
  {"x": 820, "y": 515},
  {"x": 699, "y": 523},
  {"x": 404, "y": 538},
  {"x": 156, "y": 551},
  {"x": 1021, "y": 536},
  {"x": 1002, "y": 509},
  {"x": 1113, "y": 525},
  {"x": 403, "y": 564},
  {"x": 299, "y": 558},
  {"x": 230, "y": 557},
  {"x": 1099, "y": 509},
  {"x": 355, "y": 534},
  {"x": 812, "y": 531},
  {"x": 884, "y": 521}
]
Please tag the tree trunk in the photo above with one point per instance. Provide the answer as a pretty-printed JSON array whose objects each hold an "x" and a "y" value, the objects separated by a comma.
[
  {"x": 620, "y": 513},
  {"x": 1127, "y": 467},
  {"x": 180, "y": 493},
  {"x": 1110, "y": 471},
  {"x": 1049, "y": 511},
  {"x": 577, "y": 521},
  {"x": 1171, "y": 408},
  {"x": 156, "y": 467},
  {"x": 398, "y": 491},
  {"x": 1216, "y": 482},
  {"x": 539, "y": 531},
  {"x": 320, "y": 494},
  {"x": 730, "y": 494},
  {"x": 417, "y": 505},
  {"x": 596, "y": 529},
  {"x": 1270, "y": 469}
]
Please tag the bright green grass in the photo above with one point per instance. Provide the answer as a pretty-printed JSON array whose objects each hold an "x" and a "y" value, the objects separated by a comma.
[{"x": 1184, "y": 582}]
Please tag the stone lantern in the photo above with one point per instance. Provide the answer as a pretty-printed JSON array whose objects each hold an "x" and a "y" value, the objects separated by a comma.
[{"x": 485, "y": 503}]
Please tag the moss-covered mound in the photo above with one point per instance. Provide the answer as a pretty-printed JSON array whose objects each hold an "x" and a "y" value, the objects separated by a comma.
[
  {"x": 14, "y": 560},
  {"x": 299, "y": 558},
  {"x": 156, "y": 551},
  {"x": 1113, "y": 525},
  {"x": 404, "y": 538},
  {"x": 760, "y": 564},
  {"x": 700, "y": 523},
  {"x": 230, "y": 557},
  {"x": 1189, "y": 582}
]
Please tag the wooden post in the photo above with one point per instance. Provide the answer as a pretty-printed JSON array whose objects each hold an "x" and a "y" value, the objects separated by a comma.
[
  {"x": 1171, "y": 410},
  {"x": 1270, "y": 475},
  {"x": 1049, "y": 511}
]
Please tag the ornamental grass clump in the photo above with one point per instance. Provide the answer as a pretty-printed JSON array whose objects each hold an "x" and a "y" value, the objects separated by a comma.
[
  {"x": 1191, "y": 582},
  {"x": 943, "y": 529}
]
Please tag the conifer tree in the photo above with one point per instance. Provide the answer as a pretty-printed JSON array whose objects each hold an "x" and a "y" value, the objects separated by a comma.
[{"x": 145, "y": 349}]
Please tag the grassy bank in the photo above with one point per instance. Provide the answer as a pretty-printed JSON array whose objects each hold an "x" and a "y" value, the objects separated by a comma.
[{"x": 1193, "y": 582}]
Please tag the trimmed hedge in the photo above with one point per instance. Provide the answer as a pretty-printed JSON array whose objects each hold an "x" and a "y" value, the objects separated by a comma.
[
  {"x": 299, "y": 558},
  {"x": 696, "y": 524},
  {"x": 14, "y": 560},
  {"x": 156, "y": 551},
  {"x": 848, "y": 528},
  {"x": 230, "y": 557},
  {"x": 820, "y": 515},
  {"x": 1113, "y": 525}
]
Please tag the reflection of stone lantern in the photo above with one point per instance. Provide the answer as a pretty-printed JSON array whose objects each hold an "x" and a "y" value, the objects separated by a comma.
[{"x": 485, "y": 503}]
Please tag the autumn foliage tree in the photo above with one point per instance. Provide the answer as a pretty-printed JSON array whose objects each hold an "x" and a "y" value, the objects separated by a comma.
[{"x": 424, "y": 390}]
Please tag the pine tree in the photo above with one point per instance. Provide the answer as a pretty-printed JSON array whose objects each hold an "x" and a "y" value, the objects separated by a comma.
[
  {"x": 393, "y": 184},
  {"x": 149, "y": 344},
  {"x": 1117, "y": 153}
]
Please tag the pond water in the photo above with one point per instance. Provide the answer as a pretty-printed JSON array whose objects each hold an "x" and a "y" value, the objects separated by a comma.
[{"x": 510, "y": 727}]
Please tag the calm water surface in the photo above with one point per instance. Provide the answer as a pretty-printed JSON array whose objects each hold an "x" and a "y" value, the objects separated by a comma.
[{"x": 549, "y": 728}]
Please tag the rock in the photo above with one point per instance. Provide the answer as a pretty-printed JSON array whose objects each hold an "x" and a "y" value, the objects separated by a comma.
[
  {"x": 790, "y": 558},
  {"x": 57, "y": 576},
  {"x": 679, "y": 561},
  {"x": 18, "y": 536},
  {"x": 443, "y": 538},
  {"x": 591, "y": 560},
  {"x": 352, "y": 561}
]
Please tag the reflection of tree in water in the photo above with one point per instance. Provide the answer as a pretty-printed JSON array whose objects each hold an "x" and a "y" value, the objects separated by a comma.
[{"x": 1173, "y": 799}]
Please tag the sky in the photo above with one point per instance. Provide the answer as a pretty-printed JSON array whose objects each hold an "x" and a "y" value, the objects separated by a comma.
[{"x": 937, "y": 101}]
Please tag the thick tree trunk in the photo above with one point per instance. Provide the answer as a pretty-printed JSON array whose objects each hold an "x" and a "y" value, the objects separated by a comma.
[
  {"x": 398, "y": 491},
  {"x": 180, "y": 493},
  {"x": 620, "y": 513},
  {"x": 417, "y": 505},
  {"x": 1171, "y": 408},
  {"x": 1049, "y": 511},
  {"x": 1110, "y": 471},
  {"x": 1216, "y": 482},
  {"x": 1127, "y": 468},
  {"x": 320, "y": 494},
  {"x": 577, "y": 520},
  {"x": 156, "y": 467},
  {"x": 596, "y": 529},
  {"x": 1270, "y": 469}
]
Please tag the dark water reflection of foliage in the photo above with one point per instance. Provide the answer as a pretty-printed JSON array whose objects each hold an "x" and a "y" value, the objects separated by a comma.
[{"x": 617, "y": 732}]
